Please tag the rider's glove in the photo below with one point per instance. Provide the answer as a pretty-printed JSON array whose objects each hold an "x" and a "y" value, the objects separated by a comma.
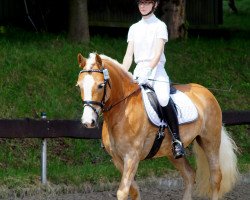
[{"x": 144, "y": 75}]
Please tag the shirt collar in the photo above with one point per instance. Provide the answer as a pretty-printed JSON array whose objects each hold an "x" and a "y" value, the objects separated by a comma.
[{"x": 149, "y": 20}]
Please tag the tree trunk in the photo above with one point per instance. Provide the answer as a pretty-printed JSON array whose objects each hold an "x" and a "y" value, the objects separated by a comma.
[
  {"x": 232, "y": 6},
  {"x": 173, "y": 14},
  {"x": 78, "y": 21}
]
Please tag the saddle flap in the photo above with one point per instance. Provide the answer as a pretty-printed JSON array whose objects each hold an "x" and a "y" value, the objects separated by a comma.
[{"x": 153, "y": 100}]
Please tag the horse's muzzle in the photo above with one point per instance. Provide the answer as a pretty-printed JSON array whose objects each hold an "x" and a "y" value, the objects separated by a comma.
[
  {"x": 89, "y": 117},
  {"x": 92, "y": 124}
]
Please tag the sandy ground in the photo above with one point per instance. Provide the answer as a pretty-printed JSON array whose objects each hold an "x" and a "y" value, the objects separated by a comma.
[{"x": 157, "y": 189}]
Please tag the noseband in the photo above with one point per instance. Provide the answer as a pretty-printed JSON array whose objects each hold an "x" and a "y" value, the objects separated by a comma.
[{"x": 106, "y": 80}]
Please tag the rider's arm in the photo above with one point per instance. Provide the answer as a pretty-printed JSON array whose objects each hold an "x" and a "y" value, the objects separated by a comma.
[
  {"x": 158, "y": 49},
  {"x": 128, "y": 58}
]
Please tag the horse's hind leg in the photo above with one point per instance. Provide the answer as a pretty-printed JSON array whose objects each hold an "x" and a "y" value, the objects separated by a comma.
[
  {"x": 134, "y": 189},
  {"x": 187, "y": 173},
  {"x": 211, "y": 147}
]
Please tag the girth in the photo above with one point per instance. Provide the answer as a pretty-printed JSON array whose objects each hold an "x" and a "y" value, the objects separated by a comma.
[{"x": 157, "y": 107}]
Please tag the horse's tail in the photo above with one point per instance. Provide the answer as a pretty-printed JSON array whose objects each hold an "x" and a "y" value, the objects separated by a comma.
[{"x": 228, "y": 166}]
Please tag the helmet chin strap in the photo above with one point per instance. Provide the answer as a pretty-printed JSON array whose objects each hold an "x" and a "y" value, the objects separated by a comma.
[{"x": 150, "y": 12}]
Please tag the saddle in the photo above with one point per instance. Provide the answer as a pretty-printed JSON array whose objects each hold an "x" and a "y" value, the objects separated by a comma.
[{"x": 154, "y": 110}]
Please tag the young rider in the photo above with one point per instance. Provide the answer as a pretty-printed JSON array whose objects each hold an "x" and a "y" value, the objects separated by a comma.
[{"x": 146, "y": 41}]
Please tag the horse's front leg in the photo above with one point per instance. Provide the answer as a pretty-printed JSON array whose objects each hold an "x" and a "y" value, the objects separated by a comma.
[
  {"x": 130, "y": 166},
  {"x": 134, "y": 189}
]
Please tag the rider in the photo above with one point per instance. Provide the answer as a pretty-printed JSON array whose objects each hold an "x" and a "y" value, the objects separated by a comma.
[{"x": 146, "y": 41}]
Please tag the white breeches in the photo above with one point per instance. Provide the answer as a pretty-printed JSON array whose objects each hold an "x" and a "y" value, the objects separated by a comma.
[{"x": 160, "y": 84}]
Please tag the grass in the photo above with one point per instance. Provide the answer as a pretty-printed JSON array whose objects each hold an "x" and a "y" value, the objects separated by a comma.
[{"x": 39, "y": 71}]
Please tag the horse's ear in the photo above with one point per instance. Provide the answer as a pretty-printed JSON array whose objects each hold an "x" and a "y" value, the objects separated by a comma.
[
  {"x": 98, "y": 60},
  {"x": 81, "y": 60}
]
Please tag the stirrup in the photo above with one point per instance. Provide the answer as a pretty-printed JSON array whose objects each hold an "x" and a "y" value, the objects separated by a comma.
[
  {"x": 175, "y": 141},
  {"x": 178, "y": 153}
]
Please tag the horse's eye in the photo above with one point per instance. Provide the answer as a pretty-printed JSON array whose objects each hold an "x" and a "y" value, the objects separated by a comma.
[{"x": 100, "y": 86}]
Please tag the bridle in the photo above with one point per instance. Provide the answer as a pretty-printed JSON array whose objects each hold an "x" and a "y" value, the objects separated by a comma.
[
  {"x": 105, "y": 73},
  {"x": 106, "y": 81}
]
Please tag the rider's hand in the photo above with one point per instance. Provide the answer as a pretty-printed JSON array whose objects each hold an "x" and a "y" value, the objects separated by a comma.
[
  {"x": 142, "y": 80},
  {"x": 144, "y": 75}
]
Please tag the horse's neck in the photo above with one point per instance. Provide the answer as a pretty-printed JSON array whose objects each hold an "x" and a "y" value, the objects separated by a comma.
[{"x": 121, "y": 85}]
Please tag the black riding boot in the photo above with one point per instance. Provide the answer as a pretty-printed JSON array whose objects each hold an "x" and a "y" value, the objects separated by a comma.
[{"x": 170, "y": 117}]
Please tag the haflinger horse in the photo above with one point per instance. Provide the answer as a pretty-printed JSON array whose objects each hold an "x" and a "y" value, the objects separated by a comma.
[{"x": 128, "y": 135}]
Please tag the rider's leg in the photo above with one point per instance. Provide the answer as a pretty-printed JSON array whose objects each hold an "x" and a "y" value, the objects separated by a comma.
[
  {"x": 170, "y": 117},
  {"x": 162, "y": 90}
]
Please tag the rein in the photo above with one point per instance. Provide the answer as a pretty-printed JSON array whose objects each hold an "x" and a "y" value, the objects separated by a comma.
[
  {"x": 113, "y": 105},
  {"x": 102, "y": 102}
]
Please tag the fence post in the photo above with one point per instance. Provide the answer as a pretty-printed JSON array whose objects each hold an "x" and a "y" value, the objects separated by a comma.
[{"x": 44, "y": 155}]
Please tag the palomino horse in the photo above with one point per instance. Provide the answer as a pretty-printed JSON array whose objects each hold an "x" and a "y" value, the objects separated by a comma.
[{"x": 128, "y": 135}]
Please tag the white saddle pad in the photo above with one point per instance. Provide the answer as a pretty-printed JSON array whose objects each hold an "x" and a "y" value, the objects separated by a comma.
[{"x": 187, "y": 112}]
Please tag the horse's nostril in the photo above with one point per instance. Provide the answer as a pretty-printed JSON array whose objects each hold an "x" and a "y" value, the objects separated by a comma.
[
  {"x": 93, "y": 123},
  {"x": 85, "y": 125}
]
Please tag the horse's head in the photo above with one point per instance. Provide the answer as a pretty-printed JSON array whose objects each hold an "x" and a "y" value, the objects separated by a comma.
[{"x": 92, "y": 80}]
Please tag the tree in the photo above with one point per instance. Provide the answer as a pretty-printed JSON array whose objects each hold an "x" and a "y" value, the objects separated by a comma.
[
  {"x": 232, "y": 6},
  {"x": 78, "y": 21},
  {"x": 173, "y": 14}
]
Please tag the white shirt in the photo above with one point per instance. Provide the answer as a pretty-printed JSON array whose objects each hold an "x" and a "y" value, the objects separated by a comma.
[{"x": 143, "y": 34}]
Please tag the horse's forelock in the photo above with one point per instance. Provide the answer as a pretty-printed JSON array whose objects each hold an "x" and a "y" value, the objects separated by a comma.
[{"x": 90, "y": 61}]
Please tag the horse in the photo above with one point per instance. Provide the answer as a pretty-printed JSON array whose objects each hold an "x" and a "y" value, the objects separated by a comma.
[{"x": 127, "y": 134}]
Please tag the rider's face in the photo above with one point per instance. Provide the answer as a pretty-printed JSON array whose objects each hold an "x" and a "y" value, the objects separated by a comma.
[{"x": 145, "y": 6}]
